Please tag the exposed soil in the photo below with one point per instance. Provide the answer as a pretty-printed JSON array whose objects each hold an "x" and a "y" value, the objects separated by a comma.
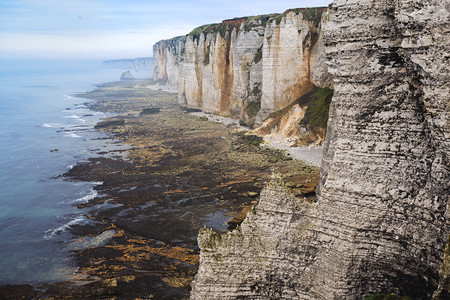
[{"x": 181, "y": 173}]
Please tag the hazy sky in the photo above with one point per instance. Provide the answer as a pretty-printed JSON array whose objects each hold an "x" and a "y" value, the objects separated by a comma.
[{"x": 110, "y": 29}]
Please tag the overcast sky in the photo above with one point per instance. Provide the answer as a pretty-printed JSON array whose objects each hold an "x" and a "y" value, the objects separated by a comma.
[{"x": 109, "y": 29}]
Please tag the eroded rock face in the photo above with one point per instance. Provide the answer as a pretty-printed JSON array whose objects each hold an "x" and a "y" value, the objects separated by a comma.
[
  {"x": 381, "y": 221},
  {"x": 165, "y": 56},
  {"x": 246, "y": 68},
  {"x": 259, "y": 259}
]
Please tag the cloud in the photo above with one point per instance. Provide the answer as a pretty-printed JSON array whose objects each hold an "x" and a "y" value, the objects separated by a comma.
[
  {"x": 79, "y": 28},
  {"x": 100, "y": 45}
]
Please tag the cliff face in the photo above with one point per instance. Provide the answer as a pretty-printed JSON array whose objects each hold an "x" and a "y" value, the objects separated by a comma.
[
  {"x": 246, "y": 68},
  {"x": 166, "y": 53},
  {"x": 137, "y": 63},
  {"x": 380, "y": 223}
]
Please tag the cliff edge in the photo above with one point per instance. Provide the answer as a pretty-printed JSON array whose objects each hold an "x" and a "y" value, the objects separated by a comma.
[
  {"x": 380, "y": 223},
  {"x": 252, "y": 68}
]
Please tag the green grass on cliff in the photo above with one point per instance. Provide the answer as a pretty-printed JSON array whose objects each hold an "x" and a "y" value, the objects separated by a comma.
[
  {"x": 207, "y": 56},
  {"x": 253, "y": 108},
  {"x": 220, "y": 28},
  {"x": 255, "y": 21},
  {"x": 318, "y": 103},
  {"x": 313, "y": 14},
  {"x": 199, "y": 30},
  {"x": 258, "y": 56}
]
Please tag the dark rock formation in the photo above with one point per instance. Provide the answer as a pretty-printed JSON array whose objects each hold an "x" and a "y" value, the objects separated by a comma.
[
  {"x": 150, "y": 111},
  {"x": 127, "y": 76},
  {"x": 109, "y": 123}
]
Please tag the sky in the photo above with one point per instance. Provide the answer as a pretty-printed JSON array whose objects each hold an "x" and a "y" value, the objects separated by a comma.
[{"x": 114, "y": 29}]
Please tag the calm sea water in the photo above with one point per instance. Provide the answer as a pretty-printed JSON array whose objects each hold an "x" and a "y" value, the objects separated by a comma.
[{"x": 37, "y": 113}]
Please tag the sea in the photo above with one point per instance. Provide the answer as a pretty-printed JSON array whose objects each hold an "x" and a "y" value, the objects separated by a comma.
[{"x": 44, "y": 131}]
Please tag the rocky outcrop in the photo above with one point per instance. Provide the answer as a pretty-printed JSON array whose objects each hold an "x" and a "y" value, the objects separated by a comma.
[
  {"x": 246, "y": 68},
  {"x": 259, "y": 259},
  {"x": 127, "y": 76},
  {"x": 166, "y": 56},
  {"x": 380, "y": 223}
]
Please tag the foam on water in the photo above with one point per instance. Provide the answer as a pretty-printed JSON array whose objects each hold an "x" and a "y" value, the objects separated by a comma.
[
  {"x": 51, "y": 125},
  {"x": 71, "y": 117},
  {"x": 72, "y": 135},
  {"x": 52, "y": 232},
  {"x": 92, "y": 194},
  {"x": 35, "y": 105},
  {"x": 96, "y": 182}
]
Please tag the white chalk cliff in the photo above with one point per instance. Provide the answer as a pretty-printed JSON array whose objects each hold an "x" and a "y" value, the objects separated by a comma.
[
  {"x": 247, "y": 68},
  {"x": 381, "y": 220}
]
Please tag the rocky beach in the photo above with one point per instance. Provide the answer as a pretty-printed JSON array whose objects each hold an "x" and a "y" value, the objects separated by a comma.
[
  {"x": 205, "y": 181},
  {"x": 181, "y": 173}
]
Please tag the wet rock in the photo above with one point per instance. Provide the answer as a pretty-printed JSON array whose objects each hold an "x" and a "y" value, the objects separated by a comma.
[
  {"x": 150, "y": 111},
  {"x": 14, "y": 292},
  {"x": 109, "y": 123},
  {"x": 237, "y": 220}
]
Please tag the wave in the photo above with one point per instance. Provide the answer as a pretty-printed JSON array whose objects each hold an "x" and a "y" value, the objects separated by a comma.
[
  {"x": 72, "y": 117},
  {"x": 72, "y": 135},
  {"x": 76, "y": 127},
  {"x": 75, "y": 117},
  {"x": 64, "y": 227},
  {"x": 68, "y": 97},
  {"x": 92, "y": 194},
  {"x": 51, "y": 125},
  {"x": 97, "y": 182}
]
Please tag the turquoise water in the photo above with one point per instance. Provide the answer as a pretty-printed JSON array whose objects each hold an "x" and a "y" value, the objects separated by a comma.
[{"x": 38, "y": 112}]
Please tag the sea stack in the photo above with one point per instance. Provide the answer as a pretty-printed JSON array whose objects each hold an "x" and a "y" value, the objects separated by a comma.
[{"x": 127, "y": 76}]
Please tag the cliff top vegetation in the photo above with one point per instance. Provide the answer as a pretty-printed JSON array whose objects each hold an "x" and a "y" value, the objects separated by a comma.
[{"x": 313, "y": 14}]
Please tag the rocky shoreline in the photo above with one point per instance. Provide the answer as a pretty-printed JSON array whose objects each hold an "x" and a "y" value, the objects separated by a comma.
[{"x": 180, "y": 174}]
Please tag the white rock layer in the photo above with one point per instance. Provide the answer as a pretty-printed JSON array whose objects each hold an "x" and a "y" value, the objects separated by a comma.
[
  {"x": 381, "y": 221},
  {"x": 267, "y": 61}
]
